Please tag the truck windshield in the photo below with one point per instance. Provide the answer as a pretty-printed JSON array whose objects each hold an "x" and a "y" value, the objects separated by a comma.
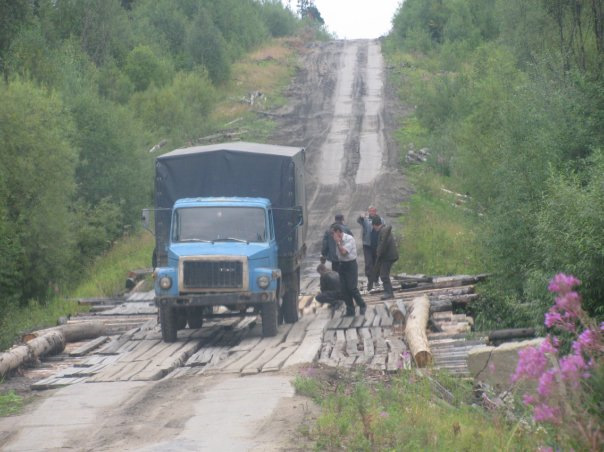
[{"x": 246, "y": 224}]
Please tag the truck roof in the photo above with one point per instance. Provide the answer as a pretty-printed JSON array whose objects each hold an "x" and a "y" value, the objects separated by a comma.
[
  {"x": 222, "y": 201},
  {"x": 238, "y": 146}
]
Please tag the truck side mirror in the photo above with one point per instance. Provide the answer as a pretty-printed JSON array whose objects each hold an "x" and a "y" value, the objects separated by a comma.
[
  {"x": 146, "y": 219},
  {"x": 299, "y": 215}
]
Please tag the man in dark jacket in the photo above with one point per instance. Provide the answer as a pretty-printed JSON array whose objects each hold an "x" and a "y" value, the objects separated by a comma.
[
  {"x": 331, "y": 292},
  {"x": 328, "y": 247},
  {"x": 368, "y": 237},
  {"x": 386, "y": 256}
]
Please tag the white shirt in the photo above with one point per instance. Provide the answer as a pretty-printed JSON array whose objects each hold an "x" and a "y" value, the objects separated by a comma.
[{"x": 349, "y": 245}]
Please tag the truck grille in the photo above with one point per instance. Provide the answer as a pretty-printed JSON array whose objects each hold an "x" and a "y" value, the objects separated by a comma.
[{"x": 212, "y": 275}]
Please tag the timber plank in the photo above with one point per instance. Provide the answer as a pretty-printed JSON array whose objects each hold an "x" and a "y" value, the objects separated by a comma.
[
  {"x": 298, "y": 330},
  {"x": 369, "y": 316},
  {"x": 352, "y": 342},
  {"x": 89, "y": 346},
  {"x": 346, "y": 322},
  {"x": 255, "y": 366},
  {"x": 239, "y": 360},
  {"x": 279, "y": 359}
]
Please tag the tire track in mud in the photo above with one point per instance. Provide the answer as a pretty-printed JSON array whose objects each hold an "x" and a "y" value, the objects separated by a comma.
[{"x": 342, "y": 120}]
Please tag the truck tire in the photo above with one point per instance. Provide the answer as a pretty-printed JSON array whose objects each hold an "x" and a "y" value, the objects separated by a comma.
[
  {"x": 269, "y": 319},
  {"x": 290, "y": 298},
  {"x": 181, "y": 319},
  {"x": 167, "y": 319},
  {"x": 195, "y": 317}
]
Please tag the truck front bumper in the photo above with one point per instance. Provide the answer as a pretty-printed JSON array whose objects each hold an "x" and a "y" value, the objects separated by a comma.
[{"x": 237, "y": 300}]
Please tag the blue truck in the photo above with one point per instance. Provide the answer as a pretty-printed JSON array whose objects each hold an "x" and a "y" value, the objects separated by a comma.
[{"x": 229, "y": 231}]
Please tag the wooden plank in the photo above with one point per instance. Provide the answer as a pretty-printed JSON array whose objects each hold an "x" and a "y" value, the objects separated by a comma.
[
  {"x": 381, "y": 310},
  {"x": 279, "y": 359},
  {"x": 89, "y": 346},
  {"x": 130, "y": 371},
  {"x": 358, "y": 321},
  {"x": 255, "y": 366},
  {"x": 250, "y": 340},
  {"x": 142, "y": 348},
  {"x": 165, "y": 364},
  {"x": 334, "y": 322},
  {"x": 346, "y": 322},
  {"x": 236, "y": 362},
  {"x": 369, "y": 316},
  {"x": 112, "y": 347},
  {"x": 298, "y": 331},
  {"x": 352, "y": 342}
]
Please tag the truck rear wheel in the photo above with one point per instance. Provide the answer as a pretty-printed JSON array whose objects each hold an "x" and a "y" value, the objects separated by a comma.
[
  {"x": 269, "y": 319},
  {"x": 195, "y": 317},
  {"x": 290, "y": 298},
  {"x": 167, "y": 319}
]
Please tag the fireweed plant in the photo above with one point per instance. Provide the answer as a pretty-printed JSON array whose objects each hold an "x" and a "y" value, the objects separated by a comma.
[{"x": 568, "y": 390}]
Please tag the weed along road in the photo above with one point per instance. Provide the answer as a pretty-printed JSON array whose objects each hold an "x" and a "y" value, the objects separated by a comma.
[{"x": 228, "y": 384}]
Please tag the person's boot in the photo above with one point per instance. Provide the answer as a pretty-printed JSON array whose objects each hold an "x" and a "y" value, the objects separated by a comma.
[
  {"x": 370, "y": 285},
  {"x": 349, "y": 312},
  {"x": 363, "y": 309},
  {"x": 388, "y": 292}
]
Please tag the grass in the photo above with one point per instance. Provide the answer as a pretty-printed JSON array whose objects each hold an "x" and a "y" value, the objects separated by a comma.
[
  {"x": 440, "y": 230},
  {"x": 10, "y": 403},
  {"x": 404, "y": 414},
  {"x": 105, "y": 277}
]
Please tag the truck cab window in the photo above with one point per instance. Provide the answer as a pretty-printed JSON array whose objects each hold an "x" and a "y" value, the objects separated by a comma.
[{"x": 207, "y": 223}]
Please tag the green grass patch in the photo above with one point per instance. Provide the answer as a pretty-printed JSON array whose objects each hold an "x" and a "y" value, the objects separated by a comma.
[
  {"x": 404, "y": 414},
  {"x": 439, "y": 228},
  {"x": 10, "y": 403},
  {"x": 107, "y": 275}
]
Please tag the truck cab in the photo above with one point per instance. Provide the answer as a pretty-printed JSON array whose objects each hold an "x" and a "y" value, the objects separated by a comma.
[{"x": 222, "y": 252}]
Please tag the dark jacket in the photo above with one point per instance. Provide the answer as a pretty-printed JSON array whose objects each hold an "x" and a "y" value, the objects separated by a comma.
[
  {"x": 387, "y": 249},
  {"x": 330, "y": 281},
  {"x": 328, "y": 247}
]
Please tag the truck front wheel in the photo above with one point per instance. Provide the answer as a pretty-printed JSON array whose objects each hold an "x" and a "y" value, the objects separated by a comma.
[
  {"x": 269, "y": 319},
  {"x": 167, "y": 319}
]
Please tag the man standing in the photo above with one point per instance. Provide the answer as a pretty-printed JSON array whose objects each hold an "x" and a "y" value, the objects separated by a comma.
[
  {"x": 386, "y": 255},
  {"x": 331, "y": 292},
  {"x": 348, "y": 269},
  {"x": 328, "y": 247},
  {"x": 368, "y": 250}
]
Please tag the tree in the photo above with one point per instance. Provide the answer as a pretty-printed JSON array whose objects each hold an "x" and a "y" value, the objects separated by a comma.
[{"x": 37, "y": 164}]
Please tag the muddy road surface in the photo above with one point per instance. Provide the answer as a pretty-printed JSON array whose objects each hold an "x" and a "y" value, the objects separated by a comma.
[{"x": 341, "y": 109}]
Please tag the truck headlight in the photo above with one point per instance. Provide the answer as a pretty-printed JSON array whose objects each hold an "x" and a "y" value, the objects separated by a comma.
[
  {"x": 263, "y": 281},
  {"x": 165, "y": 282}
]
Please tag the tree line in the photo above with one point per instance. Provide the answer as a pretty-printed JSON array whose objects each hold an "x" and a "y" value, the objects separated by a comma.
[
  {"x": 509, "y": 96},
  {"x": 88, "y": 87}
]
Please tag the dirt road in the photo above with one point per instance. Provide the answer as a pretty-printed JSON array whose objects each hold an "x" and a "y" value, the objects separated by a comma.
[{"x": 340, "y": 112}]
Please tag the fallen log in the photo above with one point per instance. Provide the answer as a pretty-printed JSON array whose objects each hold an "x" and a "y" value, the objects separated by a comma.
[
  {"x": 415, "y": 331},
  {"x": 72, "y": 332},
  {"x": 498, "y": 336},
  {"x": 46, "y": 344}
]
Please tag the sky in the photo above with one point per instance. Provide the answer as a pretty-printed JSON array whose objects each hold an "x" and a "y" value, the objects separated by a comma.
[{"x": 355, "y": 19}]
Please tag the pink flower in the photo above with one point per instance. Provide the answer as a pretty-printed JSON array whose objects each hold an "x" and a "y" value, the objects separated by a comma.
[
  {"x": 569, "y": 302},
  {"x": 528, "y": 399},
  {"x": 532, "y": 361},
  {"x": 573, "y": 368},
  {"x": 546, "y": 383},
  {"x": 562, "y": 283},
  {"x": 546, "y": 413},
  {"x": 587, "y": 340}
]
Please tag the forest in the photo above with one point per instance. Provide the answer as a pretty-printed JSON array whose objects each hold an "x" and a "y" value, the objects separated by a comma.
[
  {"x": 509, "y": 97},
  {"x": 88, "y": 88},
  {"x": 507, "y": 94}
]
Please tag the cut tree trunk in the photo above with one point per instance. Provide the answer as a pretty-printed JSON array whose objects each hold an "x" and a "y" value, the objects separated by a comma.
[
  {"x": 47, "y": 342},
  {"x": 415, "y": 331}
]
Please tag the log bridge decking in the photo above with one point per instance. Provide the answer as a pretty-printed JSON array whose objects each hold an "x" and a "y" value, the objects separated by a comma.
[{"x": 235, "y": 345}]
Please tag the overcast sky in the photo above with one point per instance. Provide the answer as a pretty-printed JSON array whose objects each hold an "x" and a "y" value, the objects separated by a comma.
[{"x": 354, "y": 19}]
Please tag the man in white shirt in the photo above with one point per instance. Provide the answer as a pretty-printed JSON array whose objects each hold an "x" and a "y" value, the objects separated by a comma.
[{"x": 348, "y": 270}]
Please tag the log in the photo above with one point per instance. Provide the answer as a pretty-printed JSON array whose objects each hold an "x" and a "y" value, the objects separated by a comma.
[
  {"x": 415, "y": 331},
  {"x": 511, "y": 333},
  {"x": 46, "y": 344},
  {"x": 72, "y": 332}
]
